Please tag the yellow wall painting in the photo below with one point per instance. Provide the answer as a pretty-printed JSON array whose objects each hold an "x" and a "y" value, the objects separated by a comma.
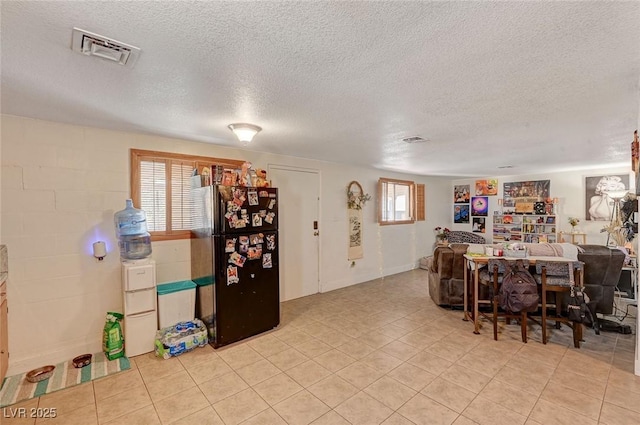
[{"x": 488, "y": 187}]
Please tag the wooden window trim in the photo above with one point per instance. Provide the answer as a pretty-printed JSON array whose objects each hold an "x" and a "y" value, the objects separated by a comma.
[
  {"x": 412, "y": 207},
  {"x": 420, "y": 197},
  {"x": 138, "y": 155}
]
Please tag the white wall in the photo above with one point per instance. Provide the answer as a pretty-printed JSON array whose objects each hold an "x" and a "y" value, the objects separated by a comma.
[
  {"x": 387, "y": 249},
  {"x": 61, "y": 185},
  {"x": 568, "y": 187}
]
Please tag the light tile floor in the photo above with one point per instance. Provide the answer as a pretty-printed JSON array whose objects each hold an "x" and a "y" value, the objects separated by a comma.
[{"x": 375, "y": 353}]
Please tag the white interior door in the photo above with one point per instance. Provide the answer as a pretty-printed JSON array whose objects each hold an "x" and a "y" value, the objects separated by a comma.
[{"x": 298, "y": 196}]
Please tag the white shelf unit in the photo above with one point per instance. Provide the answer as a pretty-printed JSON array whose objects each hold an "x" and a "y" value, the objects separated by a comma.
[
  {"x": 140, "y": 306},
  {"x": 528, "y": 228}
]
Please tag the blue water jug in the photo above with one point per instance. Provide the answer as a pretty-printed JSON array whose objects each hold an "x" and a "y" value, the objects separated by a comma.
[{"x": 131, "y": 229}]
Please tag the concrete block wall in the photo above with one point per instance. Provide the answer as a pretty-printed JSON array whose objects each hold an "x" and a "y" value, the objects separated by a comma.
[{"x": 61, "y": 185}]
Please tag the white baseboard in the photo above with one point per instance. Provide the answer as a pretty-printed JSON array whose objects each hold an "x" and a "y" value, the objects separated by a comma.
[
  {"x": 62, "y": 354},
  {"x": 365, "y": 277}
]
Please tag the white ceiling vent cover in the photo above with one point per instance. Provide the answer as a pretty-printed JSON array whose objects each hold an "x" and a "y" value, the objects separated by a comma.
[{"x": 91, "y": 44}]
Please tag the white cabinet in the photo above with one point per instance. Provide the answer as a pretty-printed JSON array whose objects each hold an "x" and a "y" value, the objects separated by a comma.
[
  {"x": 137, "y": 275},
  {"x": 140, "y": 306}
]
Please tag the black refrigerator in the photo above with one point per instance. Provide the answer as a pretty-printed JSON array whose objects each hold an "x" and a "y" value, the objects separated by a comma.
[{"x": 234, "y": 261}]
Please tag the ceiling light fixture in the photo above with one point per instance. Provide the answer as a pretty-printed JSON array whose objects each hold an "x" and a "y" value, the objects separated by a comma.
[{"x": 244, "y": 131}]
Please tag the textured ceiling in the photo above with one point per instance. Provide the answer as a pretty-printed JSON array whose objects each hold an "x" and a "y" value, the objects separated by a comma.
[{"x": 541, "y": 86}]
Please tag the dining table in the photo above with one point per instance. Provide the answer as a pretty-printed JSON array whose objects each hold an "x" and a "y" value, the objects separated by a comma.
[{"x": 474, "y": 262}]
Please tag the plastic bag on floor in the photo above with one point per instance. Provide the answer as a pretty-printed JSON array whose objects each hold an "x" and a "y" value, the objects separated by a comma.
[
  {"x": 112, "y": 339},
  {"x": 180, "y": 338}
]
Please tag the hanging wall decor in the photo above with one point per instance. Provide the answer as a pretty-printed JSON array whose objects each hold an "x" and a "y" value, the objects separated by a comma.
[
  {"x": 356, "y": 199},
  {"x": 461, "y": 194},
  {"x": 600, "y": 194},
  {"x": 487, "y": 187},
  {"x": 520, "y": 197}
]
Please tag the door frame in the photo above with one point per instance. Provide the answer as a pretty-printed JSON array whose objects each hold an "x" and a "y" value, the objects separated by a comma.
[{"x": 317, "y": 172}]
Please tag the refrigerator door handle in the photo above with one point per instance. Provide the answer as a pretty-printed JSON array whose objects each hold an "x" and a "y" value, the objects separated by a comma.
[{"x": 141, "y": 314}]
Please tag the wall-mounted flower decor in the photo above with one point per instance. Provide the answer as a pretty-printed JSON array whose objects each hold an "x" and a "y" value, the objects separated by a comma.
[{"x": 356, "y": 198}]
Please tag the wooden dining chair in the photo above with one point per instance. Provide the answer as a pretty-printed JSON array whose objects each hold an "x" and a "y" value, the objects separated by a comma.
[
  {"x": 555, "y": 279},
  {"x": 493, "y": 277}
]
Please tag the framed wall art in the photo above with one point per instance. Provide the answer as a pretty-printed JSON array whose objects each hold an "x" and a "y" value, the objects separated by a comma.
[
  {"x": 461, "y": 194},
  {"x": 487, "y": 187},
  {"x": 598, "y": 195},
  {"x": 480, "y": 206},
  {"x": 520, "y": 197},
  {"x": 461, "y": 213},
  {"x": 479, "y": 224}
]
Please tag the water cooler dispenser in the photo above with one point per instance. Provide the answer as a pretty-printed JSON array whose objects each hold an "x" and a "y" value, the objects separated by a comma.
[
  {"x": 140, "y": 306},
  {"x": 138, "y": 280}
]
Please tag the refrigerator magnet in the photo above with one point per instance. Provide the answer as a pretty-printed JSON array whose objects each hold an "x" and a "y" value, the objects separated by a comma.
[
  {"x": 237, "y": 259},
  {"x": 266, "y": 261},
  {"x": 239, "y": 224},
  {"x": 253, "y": 198},
  {"x": 256, "y": 238},
  {"x": 255, "y": 252},
  {"x": 272, "y": 203},
  {"x": 239, "y": 197},
  {"x": 232, "y": 207},
  {"x": 230, "y": 245},
  {"x": 232, "y": 275},
  {"x": 244, "y": 240},
  {"x": 244, "y": 248},
  {"x": 263, "y": 213},
  {"x": 271, "y": 242},
  {"x": 269, "y": 217},
  {"x": 256, "y": 220},
  {"x": 263, "y": 194}
]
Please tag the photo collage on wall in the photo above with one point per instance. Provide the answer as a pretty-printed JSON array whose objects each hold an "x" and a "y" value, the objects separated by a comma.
[
  {"x": 474, "y": 206},
  {"x": 461, "y": 198}
]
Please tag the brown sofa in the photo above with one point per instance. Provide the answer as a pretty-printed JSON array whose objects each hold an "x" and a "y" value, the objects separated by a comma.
[
  {"x": 602, "y": 271},
  {"x": 446, "y": 274}
]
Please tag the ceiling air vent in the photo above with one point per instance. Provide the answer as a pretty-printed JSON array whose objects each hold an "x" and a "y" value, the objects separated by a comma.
[
  {"x": 91, "y": 44},
  {"x": 414, "y": 139}
]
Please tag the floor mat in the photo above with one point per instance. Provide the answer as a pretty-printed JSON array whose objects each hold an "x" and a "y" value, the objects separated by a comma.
[{"x": 16, "y": 388}]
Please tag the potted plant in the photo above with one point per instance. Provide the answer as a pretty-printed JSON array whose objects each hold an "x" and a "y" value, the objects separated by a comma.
[
  {"x": 442, "y": 233},
  {"x": 573, "y": 221}
]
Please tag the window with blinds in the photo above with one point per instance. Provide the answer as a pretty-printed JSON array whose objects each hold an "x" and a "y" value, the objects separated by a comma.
[
  {"x": 396, "y": 201},
  {"x": 161, "y": 184}
]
